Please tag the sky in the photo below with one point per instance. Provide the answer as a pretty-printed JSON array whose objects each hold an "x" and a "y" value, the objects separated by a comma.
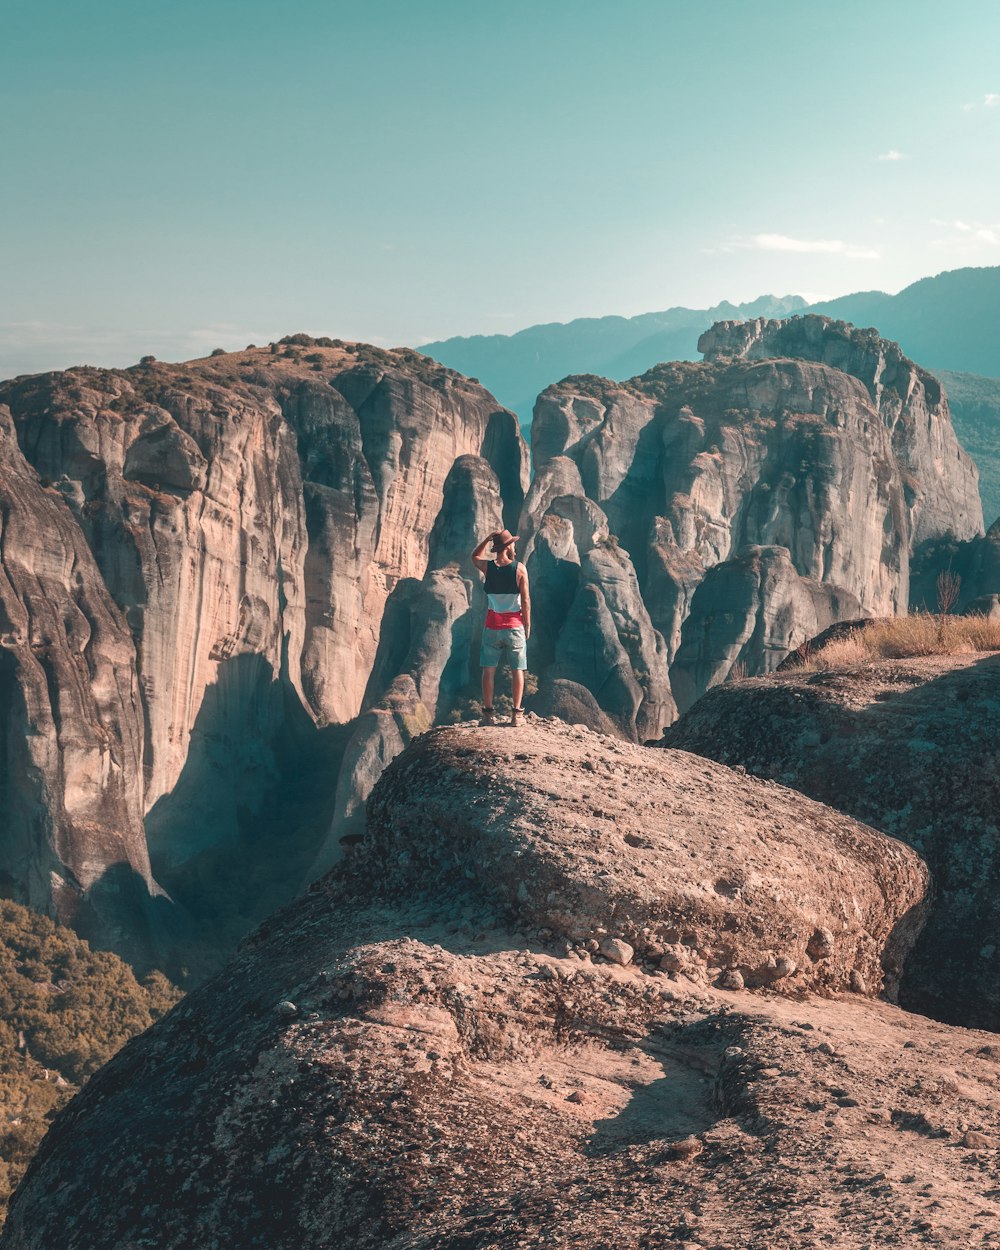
[{"x": 184, "y": 176}]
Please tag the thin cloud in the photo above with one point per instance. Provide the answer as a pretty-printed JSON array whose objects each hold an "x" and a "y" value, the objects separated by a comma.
[
  {"x": 892, "y": 155},
  {"x": 834, "y": 247},
  {"x": 990, "y": 100},
  {"x": 967, "y": 236}
]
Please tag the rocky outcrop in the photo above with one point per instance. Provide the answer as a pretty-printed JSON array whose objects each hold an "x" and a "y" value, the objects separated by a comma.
[
  {"x": 909, "y": 400},
  {"x": 425, "y": 1067},
  {"x": 757, "y": 893},
  {"x": 71, "y": 721},
  {"x": 245, "y": 518},
  {"x": 908, "y": 746},
  {"x": 754, "y": 604},
  {"x": 590, "y": 623},
  {"x": 763, "y": 494},
  {"x": 573, "y": 703}
]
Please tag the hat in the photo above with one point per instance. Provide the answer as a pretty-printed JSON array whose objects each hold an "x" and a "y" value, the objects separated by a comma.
[{"x": 504, "y": 539}]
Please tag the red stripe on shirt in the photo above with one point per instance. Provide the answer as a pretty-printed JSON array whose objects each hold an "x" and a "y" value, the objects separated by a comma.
[{"x": 503, "y": 620}]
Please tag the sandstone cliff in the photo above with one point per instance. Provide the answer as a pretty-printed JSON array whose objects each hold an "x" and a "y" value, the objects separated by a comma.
[
  {"x": 910, "y": 746},
  {"x": 238, "y": 524},
  {"x": 756, "y": 498},
  {"x": 451, "y": 1042},
  {"x": 72, "y": 718}
]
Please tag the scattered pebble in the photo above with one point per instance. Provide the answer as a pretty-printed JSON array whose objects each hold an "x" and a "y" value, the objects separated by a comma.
[{"x": 617, "y": 951}]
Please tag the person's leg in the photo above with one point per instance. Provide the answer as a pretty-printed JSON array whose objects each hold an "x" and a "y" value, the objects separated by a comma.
[
  {"x": 517, "y": 685},
  {"x": 488, "y": 687}
]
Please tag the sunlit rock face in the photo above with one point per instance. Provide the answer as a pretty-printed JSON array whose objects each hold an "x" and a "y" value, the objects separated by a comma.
[
  {"x": 568, "y": 990},
  {"x": 71, "y": 717},
  {"x": 759, "y": 496},
  {"x": 240, "y": 523}
]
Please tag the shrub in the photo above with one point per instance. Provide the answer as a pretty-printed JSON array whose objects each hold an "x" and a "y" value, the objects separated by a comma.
[
  {"x": 217, "y": 351},
  {"x": 905, "y": 637},
  {"x": 64, "y": 1011}
]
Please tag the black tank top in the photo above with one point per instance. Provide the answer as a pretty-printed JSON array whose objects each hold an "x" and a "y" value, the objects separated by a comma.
[{"x": 501, "y": 580}]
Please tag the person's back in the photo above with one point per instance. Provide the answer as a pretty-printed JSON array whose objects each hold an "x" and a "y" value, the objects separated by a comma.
[
  {"x": 503, "y": 595},
  {"x": 508, "y": 619}
]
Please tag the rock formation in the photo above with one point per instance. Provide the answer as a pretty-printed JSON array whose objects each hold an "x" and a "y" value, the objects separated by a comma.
[
  {"x": 233, "y": 527},
  {"x": 909, "y": 746},
  {"x": 72, "y": 719},
  {"x": 758, "y": 497},
  {"x": 463, "y": 1037},
  {"x": 276, "y": 542}
]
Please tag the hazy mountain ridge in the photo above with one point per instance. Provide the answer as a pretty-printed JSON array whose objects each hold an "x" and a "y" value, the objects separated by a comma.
[
  {"x": 525, "y": 363},
  {"x": 946, "y": 322}
]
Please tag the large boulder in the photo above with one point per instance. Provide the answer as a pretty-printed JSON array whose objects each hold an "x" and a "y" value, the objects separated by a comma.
[
  {"x": 910, "y": 747},
  {"x": 401, "y": 1059},
  {"x": 586, "y": 835}
]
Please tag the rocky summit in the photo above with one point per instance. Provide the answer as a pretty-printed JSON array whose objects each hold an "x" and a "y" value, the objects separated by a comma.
[{"x": 568, "y": 991}]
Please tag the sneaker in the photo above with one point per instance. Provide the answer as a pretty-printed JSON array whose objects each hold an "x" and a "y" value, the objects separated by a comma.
[
  {"x": 488, "y": 717},
  {"x": 517, "y": 717}
]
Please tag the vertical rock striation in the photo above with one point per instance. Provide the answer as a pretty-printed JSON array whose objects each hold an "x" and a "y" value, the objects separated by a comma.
[
  {"x": 245, "y": 520},
  {"x": 761, "y": 495},
  {"x": 71, "y": 720}
]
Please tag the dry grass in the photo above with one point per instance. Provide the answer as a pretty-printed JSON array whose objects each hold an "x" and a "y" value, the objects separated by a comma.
[{"x": 901, "y": 637}]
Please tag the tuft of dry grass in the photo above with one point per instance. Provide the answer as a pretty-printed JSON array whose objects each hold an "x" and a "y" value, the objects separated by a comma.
[{"x": 902, "y": 637}]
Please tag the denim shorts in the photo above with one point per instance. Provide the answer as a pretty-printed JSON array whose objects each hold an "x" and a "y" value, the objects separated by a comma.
[{"x": 498, "y": 641}]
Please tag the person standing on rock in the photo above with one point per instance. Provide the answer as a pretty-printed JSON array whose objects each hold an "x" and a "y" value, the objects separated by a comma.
[{"x": 508, "y": 620}]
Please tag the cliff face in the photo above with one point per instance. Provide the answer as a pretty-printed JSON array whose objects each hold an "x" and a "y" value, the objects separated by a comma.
[
  {"x": 237, "y": 525},
  {"x": 775, "y": 488},
  {"x": 478, "y": 1033},
  {"x": 71, "y": 713},
  {"x": 273, "y": 546}
]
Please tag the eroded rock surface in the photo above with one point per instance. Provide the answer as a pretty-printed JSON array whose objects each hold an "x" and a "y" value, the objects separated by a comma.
[
  {"x": 245, "y": 518},
  {"x": 671, "y": 853},
  {"x": 757, "y": 497},
  {"x": 71, "y": 742},
  {"x": 403, "y": 1059},
  {"x": 911, "y": 747}
]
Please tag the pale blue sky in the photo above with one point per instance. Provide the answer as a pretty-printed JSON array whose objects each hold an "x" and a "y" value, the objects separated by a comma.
[{"x": 180, "y": 176}]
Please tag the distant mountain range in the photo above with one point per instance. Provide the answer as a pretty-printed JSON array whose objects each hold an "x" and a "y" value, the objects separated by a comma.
[
  {"x": 517, "y": 367},
  {"x": 947, "y": 323}
]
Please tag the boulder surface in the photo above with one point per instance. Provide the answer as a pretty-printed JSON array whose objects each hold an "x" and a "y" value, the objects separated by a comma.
[
  {"x": 911, "y": 747},
  {"x": 414, "y": 1055}
]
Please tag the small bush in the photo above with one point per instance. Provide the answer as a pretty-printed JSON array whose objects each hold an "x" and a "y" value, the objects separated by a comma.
[
  {"x": 906, "y": 637},
  {"x": 217, "y": 351}
]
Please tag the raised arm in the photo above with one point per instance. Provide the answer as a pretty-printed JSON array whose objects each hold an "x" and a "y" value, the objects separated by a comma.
[
  {"x": 477, "y": 556},
  {"x": 522, "y": 585}
]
